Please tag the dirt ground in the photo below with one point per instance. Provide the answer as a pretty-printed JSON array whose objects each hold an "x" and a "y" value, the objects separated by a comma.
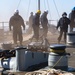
[{"x": 52, "y": 39}]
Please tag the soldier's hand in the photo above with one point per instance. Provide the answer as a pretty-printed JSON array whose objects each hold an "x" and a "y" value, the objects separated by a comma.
[{"x": 23, "y": 28}]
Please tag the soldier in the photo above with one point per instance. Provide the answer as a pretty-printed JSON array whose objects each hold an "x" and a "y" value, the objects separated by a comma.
[
  {"x": 16, "y": 21},
  {"x": 63, "y": 24},
  {"x": 44, "y": 23},
  {"x": 30, "y": 22},
  {"x": 36, "y": 24},
  {"x": 72, "y": 18}
]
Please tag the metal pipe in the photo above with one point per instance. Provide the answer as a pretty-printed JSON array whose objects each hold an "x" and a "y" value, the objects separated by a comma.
[{"x": 38, "y": 4}]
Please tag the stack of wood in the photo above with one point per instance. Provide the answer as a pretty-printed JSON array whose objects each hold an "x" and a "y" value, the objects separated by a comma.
[
  {"x": 7, "y": 45},
  {"x": 36, "y": 46}
]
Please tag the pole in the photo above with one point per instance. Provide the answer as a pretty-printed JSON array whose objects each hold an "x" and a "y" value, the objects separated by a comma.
[{"x": 38, "y": 4}]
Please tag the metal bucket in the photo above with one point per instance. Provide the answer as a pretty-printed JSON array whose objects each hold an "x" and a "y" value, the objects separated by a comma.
[
  {"x": 57, "y": 57},
  {"x": 58, "y": 61},
  {"x": 71, "y": 38}
]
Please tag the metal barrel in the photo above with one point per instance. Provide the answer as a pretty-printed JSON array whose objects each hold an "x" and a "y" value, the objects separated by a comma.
[
  {"x": 20, "y": 60},
  {"x": 27, "y": 59},
  {"x": 71, "y": 38},
  {"x": 57, "y": 57}
]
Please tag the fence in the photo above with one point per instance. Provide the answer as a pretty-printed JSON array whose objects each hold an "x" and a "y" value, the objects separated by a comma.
[
  {"x": 5, "y": 34},
  {"x": 5, "y": 25}
]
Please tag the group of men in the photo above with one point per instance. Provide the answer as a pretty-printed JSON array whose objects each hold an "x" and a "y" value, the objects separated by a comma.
[
  {"x": 35, "y": 21},
  {"x": 16, "y": 21}
]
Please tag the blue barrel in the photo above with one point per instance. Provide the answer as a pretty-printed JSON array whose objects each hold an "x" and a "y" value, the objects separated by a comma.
[{"x": 57, "y": 57}]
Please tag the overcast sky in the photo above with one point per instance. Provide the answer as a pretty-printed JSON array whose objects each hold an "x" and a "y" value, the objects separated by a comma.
[{"x": 7, "y": 8}]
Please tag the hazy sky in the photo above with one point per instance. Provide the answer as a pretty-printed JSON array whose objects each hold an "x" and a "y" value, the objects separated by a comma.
[{"x": 7, "y": 8}]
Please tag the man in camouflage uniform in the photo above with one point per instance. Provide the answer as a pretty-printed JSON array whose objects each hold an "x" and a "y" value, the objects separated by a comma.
[
  {"x": 16, "y": 21},
  {"x": 63, "y": 24},
  {"x": 72, "y": 19},
  {"x": 30, "y": 22},
  {"x": 44, "y": 23},
  {"x": 36, "y": 24}
]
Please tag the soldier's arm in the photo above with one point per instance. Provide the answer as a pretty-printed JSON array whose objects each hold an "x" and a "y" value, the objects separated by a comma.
[
  {"x": 10, "y": 24},
  {"x": 29, "y": 20},
  {"x": 70, "y": 16},
  {"x": 58, "y": 24},
  {"x": 69, "y": 21},
  {"x": 23, "y": 23}
]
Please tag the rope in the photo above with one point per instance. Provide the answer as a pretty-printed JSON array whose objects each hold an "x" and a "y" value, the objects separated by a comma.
[
  {"x": 49, "y": 9},
  {"x": 36, "y": 4},
  {"x": 28, "y": 9},
  {"x": 56, "y": 8},
  {"x": 44, "y": 4},
  {"x": 18, "y": 4},
  {"x": 56, "y": 63}
]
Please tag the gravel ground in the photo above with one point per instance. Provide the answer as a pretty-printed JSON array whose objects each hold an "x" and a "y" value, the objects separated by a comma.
[{"x": 53, "y": 39}]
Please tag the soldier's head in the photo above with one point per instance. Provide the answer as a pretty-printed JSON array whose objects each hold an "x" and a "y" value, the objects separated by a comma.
[
  {"x": 46, "y": 12},
  {"x": 31, "y": 13},
  {"x": 16, "y": 12},
  {"x": 64, "y": 14},
  {"x": 73, "y": 10},
  {"x": 38, "y": 12}
]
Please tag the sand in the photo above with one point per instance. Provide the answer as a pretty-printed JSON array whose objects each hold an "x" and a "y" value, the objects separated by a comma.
[{"x": 52, "y": 38}]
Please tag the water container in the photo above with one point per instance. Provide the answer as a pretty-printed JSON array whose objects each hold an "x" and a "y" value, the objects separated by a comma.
[
  {"x": 71, "y": 38},
  {"x": 57, "y": 57},
  {"x": 20, "y": 60},
  {"x": 27, "y": 59}
]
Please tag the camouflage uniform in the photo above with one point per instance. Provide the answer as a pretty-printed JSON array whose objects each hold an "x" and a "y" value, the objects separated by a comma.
[
  {"x": 30, "y": 23},
  {"x": 16, "y": 21},
  {"x": 72, "y": 18},
  {"x": 63, "y": 24},
  {"x": 35, "y": 26},
  {"x": 44, "y": 23}
]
